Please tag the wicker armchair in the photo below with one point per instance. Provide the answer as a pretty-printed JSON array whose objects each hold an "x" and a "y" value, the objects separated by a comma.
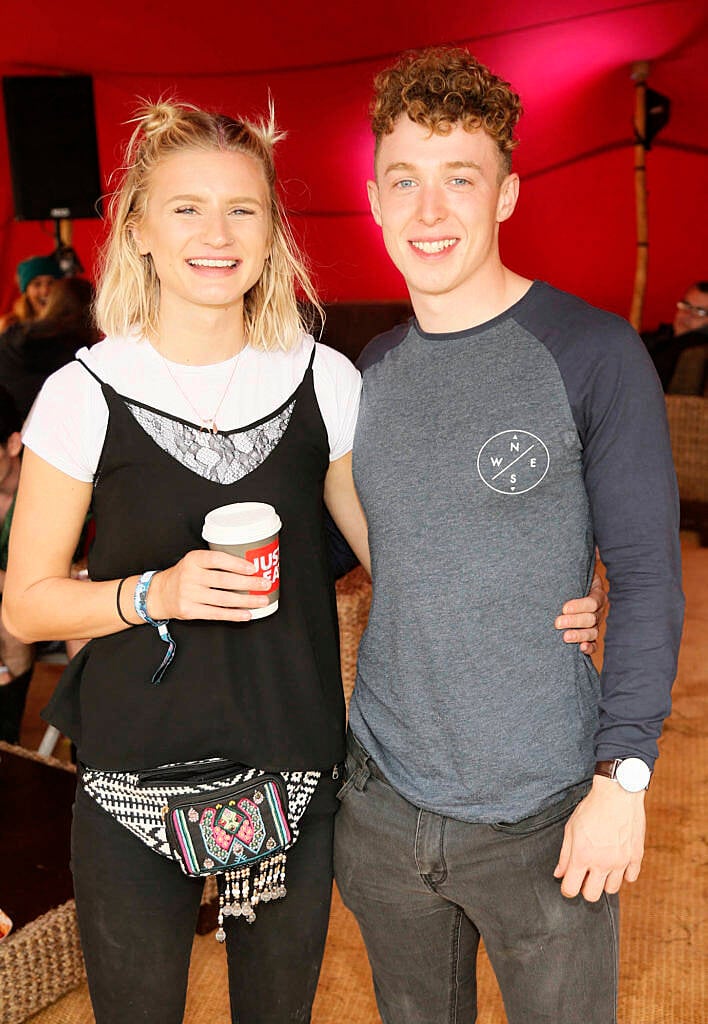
[{"x": 688, "y": 424}]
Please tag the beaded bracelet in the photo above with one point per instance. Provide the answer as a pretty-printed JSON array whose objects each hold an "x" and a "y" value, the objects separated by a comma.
[{"x": 161, "y": 625}]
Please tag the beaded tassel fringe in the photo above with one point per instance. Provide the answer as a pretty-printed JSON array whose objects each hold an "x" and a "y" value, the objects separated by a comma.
[{"x": 240, "y": 894}]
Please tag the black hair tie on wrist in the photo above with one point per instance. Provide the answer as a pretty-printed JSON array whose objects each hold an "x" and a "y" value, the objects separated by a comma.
[{"x": 118, "y": 607}]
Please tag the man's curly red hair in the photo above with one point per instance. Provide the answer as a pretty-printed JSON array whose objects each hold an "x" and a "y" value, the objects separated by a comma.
[{"x": 440, "y": 87}]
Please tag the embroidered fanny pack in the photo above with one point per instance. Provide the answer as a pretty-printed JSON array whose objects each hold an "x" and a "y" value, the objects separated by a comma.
[{"x": 214, "y": 817}]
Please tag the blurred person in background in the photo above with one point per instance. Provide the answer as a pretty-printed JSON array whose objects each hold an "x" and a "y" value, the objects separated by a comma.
[
  {"x": 35, "y": 278},
  {"x": 31, "y": 352},
  {"x": 688, "y": 331},
  {"x": 17, "y": 658}
]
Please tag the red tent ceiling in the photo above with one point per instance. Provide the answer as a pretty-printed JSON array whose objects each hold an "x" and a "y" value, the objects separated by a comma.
[{"x": 569, "y": 60}]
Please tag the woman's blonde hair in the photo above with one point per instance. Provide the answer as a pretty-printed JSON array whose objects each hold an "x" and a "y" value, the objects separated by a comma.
[{"x": 128, "y": 296}]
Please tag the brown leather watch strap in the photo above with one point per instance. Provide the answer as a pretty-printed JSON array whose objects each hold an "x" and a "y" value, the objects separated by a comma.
[{"x": 607, "y": 768}]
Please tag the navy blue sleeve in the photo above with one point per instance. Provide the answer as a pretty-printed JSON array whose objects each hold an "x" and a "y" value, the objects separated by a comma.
[
  {"x": 341, "y": 557},
  {"x": 620, "y": 413}
]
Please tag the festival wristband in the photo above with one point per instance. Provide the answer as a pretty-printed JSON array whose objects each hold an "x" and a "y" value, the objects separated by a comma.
[{"x": 161, "y": 625}]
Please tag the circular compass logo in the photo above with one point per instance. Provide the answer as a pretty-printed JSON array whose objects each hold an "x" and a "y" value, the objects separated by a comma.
[{"x": 513, "y": 461}]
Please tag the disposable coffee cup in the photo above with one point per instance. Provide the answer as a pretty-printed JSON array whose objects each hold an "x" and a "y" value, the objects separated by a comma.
[{"x": 250, "y": 530}]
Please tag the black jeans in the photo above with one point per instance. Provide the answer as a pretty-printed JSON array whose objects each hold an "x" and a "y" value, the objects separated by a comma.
[
  {"x": 137, "y": 915},
  {"x": 425, "y": 888}
]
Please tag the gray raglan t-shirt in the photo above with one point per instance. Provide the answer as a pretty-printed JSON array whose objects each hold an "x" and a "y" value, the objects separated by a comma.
[{"x": 490, "y": 462}]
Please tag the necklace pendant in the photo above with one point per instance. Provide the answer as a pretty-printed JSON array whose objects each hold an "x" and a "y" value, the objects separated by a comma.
[{"x": 208, "y": 424}]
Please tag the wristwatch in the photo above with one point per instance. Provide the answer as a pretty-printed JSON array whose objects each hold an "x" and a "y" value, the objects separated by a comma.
[{"x": 632, "y": 773}]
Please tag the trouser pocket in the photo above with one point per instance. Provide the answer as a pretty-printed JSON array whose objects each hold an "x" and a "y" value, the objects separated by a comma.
[
  {"x": 356, "y": 767},
  {"x": 548, "y": 816}
]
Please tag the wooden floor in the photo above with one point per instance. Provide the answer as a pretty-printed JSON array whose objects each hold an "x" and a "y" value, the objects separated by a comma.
[{"x": 664, "y": 973}]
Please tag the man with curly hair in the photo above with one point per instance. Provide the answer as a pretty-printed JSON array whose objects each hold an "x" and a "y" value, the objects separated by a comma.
[{"x": 496, "y": 791}]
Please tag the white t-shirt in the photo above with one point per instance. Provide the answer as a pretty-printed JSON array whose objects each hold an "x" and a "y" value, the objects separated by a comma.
[{"x": 67, "y": 424}]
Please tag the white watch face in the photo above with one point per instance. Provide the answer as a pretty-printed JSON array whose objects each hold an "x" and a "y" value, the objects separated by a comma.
[{"x": 633, "y": 774}]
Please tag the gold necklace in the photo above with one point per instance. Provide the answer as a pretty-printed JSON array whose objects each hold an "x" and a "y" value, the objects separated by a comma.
[{"x": 207, "y": 422}]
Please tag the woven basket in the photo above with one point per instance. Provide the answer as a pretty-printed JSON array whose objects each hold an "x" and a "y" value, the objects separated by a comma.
[
  {"x": 688, "y": 424},
  {"x": 40, "y": 963}
]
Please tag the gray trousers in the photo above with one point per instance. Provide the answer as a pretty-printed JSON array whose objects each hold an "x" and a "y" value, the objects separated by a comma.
[{"x": 424, "y": 889}]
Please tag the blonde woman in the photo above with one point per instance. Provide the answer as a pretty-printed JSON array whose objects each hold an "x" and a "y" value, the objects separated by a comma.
[{"x": 206, "y": 391}]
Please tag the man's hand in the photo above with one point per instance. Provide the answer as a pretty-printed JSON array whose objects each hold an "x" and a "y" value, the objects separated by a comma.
[
  {"x": 604, "y": 841},
  {"x": 581, "y": 619}
]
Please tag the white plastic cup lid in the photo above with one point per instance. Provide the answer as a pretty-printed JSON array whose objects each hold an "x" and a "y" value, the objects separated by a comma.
[{"x": 240, "y": 523}]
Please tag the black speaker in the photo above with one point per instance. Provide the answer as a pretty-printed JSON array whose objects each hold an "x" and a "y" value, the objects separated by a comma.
[{"x": 51, "y": 135}]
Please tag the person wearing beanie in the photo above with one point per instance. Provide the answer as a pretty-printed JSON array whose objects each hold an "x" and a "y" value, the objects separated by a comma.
[{"x": 35, "y": 277}]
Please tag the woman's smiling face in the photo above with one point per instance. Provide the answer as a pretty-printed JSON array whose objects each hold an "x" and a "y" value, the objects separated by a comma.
[{"x": 206, "y": 227}]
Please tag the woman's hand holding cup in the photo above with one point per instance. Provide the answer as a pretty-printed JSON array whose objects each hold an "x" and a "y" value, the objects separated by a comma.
[
  {"x": 207, "y": 584},
  {"x": 236, "y": 580},
  {"x": 249, "y": 530}
]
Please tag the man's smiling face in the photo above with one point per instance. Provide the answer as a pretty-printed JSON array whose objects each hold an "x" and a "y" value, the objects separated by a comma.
[{"x": 439, "y": 200}]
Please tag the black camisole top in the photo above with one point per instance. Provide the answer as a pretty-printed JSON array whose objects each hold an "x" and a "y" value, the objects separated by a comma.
[{"x": 266, "y": 693}]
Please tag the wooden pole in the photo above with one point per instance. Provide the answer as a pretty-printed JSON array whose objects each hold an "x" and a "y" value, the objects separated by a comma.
[
  {"x": 66, "y": 232},
  {"x": 640, "y": 73}
]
